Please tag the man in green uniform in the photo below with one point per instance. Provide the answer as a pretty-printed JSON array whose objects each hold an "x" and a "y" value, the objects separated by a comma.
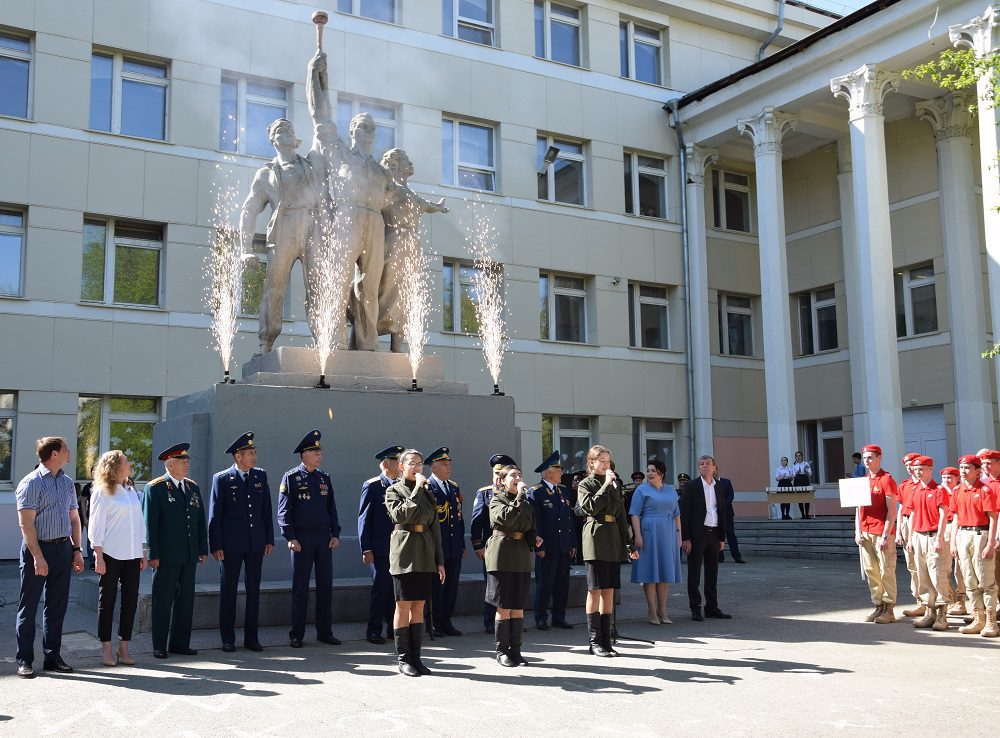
[{"x": 178, "y": 542}]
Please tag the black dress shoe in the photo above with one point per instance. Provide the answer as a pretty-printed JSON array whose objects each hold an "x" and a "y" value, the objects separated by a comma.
[
  {"x": 25, "y": 671},
  {"x": 740, "y": 561},
  {"x": 696, "y": 614},
  {"x": 253, "y": 646},
  {"x": 330, "y": 640},
  {"x": 375, "y": 638},
  {"x": 436, "y": 632},
  {"x": 562, "y": 624},
  {"x": 228, "y": 647},
  {"x": 717, "y": 614},
  {"x": 449, "y": 629},
  {"x": 295, "y": 643},
  {"x": 57, "y": 664},
  {"x": 158, "y": 654},
  {"x": 183, "y": 650},
  {"x": 542, "y": 625}
]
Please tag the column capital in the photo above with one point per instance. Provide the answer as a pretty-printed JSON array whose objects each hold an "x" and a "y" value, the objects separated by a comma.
[
  {"x": 767, "y": 129},
  {"x": 864, "y": 90},
  {"x": 948, "y": 116},
  {"x": 979, "y": 34},
  {"x": 698, "y": 159}
]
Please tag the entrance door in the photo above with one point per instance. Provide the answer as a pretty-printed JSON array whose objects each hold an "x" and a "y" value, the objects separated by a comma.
[{"x": 923, "y": 433}]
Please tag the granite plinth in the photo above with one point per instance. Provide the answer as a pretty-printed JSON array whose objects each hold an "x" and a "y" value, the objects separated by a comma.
[{"x": 295, "y": 366}]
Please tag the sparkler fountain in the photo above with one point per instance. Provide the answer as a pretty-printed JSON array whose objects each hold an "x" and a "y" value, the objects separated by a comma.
[
  {"x": 490, "y": 303},
  {"x": 224, "y": 268},
  {"x": 415, "y": 293}
]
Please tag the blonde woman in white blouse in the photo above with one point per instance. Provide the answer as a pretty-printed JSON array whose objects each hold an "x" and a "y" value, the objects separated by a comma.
[{"x": 118, "y": 537}]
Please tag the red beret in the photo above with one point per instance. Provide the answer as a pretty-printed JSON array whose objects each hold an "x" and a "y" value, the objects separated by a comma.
[
  {"x": 923, "y": 461},
  {"x": 873, "y": 448},
  {"x": 949, "y": 470},
  {"x": 990, "y": 454},
  {"x": 910, "y": 457},
  {"x": 970, "y": 459}
]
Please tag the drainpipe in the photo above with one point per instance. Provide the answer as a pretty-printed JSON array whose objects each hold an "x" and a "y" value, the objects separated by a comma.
[
  {"x": 774, "y": 34},
  {"x": 671, "y": 107}
]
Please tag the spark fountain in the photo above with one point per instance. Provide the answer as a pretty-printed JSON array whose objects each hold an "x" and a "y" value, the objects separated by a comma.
[
  {"x": 416, "y": 294},
  {"x": 490, "y": 300},
  {"x": 224, "y": 268}
]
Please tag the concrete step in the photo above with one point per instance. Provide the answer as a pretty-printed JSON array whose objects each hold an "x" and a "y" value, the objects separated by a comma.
[{"x": 819, "y": 538}]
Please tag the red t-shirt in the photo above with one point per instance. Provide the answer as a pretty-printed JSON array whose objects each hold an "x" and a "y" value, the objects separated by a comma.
[
  {"x": 923, "y": 502},
  {"x": 906, "y": 488},
  {"x": 882, "y": 485},
  {"x": 973, "y": 504}
]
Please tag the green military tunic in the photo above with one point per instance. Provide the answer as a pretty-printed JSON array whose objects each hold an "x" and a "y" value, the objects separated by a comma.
[
  {"x": 604, "y": 539},
  {"x": 410, "y": 551},
  {"x": 510, "y": 515}
]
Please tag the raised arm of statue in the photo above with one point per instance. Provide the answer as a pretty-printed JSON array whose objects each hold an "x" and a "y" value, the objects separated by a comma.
[
  {"x": 317, "y": 95},
  {"x": 402, "y": 193}
]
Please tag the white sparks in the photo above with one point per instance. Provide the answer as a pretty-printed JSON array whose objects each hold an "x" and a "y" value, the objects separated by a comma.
[
  {"x": 490, "y": 299},
  {"x": 224, "y": 266},
  {"x": 329, "y": 276},
  {"x": 415, "y": 289}
]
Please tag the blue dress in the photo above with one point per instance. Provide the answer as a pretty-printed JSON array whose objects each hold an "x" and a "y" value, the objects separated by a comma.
[{"x": 660, "y": 557}]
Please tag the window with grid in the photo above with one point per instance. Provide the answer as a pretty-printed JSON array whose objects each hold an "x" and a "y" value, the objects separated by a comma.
[
  {"x": 570, "y": 435},
  {"x": 731, "y": 199},
  {"x": 12, "y": 235},
  {"x": 735, "y": 325},
  {"x": 128, "y": 95},
  {"x": 248, "y": 106},
  {"x": 468, "y": 155},
  {"x": 123, "y": 423},
  {"x": 649, "y": 316},
  {"x": 121, "y": 262},
  {"x": 563, "y": 179},
  {"x": 645, "y": 185},
  {"x": 823, "y": 442},
  {"x": 563, "y": 308},
  {"x": 654, "y": 439},
  {"x": 15, "y": 74},
  {"x": 916, "y": 300},
  {"x": 8, "y": 417},
  {"x": 382, "y": 10},
  {"x": 558, "y": 32},
  {"x": 640, "y": 48},
  {"x": 385, "y": 115},
  {"x": 818, "y": 321},
  {"x": 460, "y": 297},
  {"x": 470, "y": 20}
]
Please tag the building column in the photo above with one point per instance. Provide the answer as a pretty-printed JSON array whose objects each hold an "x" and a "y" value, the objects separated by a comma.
[
  {"x": 766, "y": 129},
  {"x": 864, "y": 90},
  {"x": 952, "y": 123},
  {"x": 699, "y": 344},
  {"x": 980, "y": 34}
]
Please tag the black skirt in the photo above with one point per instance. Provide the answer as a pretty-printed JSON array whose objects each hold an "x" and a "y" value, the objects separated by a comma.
[
  {"x": 604, "y": 575},
  {"x": 416, "y": 585},
  {"x": 508, "y": 590},
  {"x": 801, "y": 480}
]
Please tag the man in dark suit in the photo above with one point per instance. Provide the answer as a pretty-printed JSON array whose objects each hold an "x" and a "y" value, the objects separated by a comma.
[
  {"x": 374, "y": 531},
  {"x": 555, "y": 526},
  {"x": 240, "y": 535},
  {"x": 703, "y": 522},
  {"x": 178, "y": 542}
]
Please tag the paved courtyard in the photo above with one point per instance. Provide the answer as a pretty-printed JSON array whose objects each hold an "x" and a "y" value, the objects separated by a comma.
[{"x": 795, "y": 660}]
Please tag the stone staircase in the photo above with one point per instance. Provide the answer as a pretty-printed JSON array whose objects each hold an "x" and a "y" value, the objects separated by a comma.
[{"x": 821, "y": 538}]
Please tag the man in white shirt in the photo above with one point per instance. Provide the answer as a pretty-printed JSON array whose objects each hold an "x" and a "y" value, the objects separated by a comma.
[{"x": 703, "y": 521}]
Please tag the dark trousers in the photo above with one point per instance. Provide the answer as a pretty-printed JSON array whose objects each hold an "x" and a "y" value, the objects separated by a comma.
[
  {"x": 59, "y": 557},
  {"x": 551, "y": 585},
  {"x": 381, "y": 601},
  {"x": 734, "y": 546},
  {"x": 124, "y": 572},
  {"x": 250, "y": 562},
  {"x": 489, "y": 611},
  {"x": 704, "y": 549},
  {"x": 444, "y": 596},
  {"x": 173, "y": 605},
  {"x": 315, "y": 552}
]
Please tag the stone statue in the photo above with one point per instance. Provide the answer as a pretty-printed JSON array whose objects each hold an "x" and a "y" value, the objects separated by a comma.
[{"x": 402, "y": 225}]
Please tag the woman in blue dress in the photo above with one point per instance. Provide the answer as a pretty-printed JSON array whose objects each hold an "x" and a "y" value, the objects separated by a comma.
[{"x": 656, "y": 523}]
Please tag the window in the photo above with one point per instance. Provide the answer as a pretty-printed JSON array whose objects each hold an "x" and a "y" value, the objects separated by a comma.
[
  {"x": 121, "y": 262},
  {"x": 823, "y": 444},
  {"x": 460, "y": 314},
  {"x": 557, "y": 32},
  {"x": 11, "y": 251},
  {"x": 128, "y": 96},
  {"x": 383, "y": 10},
  {"x": 562, "y": 179},
  {"x": 640, "y": 52},
  {"x": 649, "y": 314},
  {"x": 731, "y": 196},
  {"x": 15, "y": 69},
  {"x": 384, "y": 114},
  {"x": 125, "y": 423},
  {"x": 735, "y": 325},
  {"x": 916, "y": 301},
  {"x": 467, "y": 155},
  {"x": 570, "y": 435},
  {"x": 645, "y": 185},
  {"x": 254, "y": 274},
  {"x": 653, "y": 439},
  {"x": 247, "y": 108},
  {"x": 563, "y": 303},
  {"x": 818, "y": 321},
  {"x": 8, "y": 414},
  {"x": 469, "y": 20}
]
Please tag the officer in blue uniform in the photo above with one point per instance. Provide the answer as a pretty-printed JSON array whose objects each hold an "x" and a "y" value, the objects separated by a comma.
[
  {"x": 307, "y": 516},
  {"x": 240, "y": 535},
  {"x": 480, "y": 531},
  {"x": 374, "y": 531},
  {"x": 555, "y": 526},
  {"x": 449, "y": 508}
]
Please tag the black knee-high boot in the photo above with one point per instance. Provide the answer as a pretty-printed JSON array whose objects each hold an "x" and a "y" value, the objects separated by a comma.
[
  {"x": 606, "y": 635},
  {"x": 502, "y": 635},
  {"x": 516, "y": 639},
  {"x": 401, "y": 637},
  {"x": 594, "y": 633},
  {"x": 416, "y": 631}
]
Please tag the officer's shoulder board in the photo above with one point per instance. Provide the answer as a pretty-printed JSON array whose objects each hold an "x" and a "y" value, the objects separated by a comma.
[
  {"x": 190, "y": 481},
  {"x": 373, "y": 480},
  {"x": 158, "y": 480},
  {"x": 486, "y": 488}
]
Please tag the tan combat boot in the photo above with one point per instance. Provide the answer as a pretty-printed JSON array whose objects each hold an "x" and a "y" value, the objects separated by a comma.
[
  {"x": 991, "y": 630},
  {"x": 875, "y": 613},
  {"x": 941, "y": 619},
  {"x": 916, "y": 611},
  {"x": 887, "y": 616},
  {"x": 958, "y": 608},
  {"x": 927, "y": 620},
  {"x": 977, "y": 624}
]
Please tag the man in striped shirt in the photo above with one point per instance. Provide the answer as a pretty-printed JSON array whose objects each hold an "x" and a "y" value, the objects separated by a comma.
[{"x": 48, "y": 514}]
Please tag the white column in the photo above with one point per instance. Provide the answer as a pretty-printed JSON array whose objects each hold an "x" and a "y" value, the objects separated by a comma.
[
  {"x": 699, "y": 346},
  {"x": 864, "y": 91},
  {"x": 952, "y": 122},
  {"x": 766, "y": 129},
  {"x": 981, "y": 35}
]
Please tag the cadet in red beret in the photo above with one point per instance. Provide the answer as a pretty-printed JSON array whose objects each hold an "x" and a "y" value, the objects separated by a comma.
[
  {"x": 927, "y": 505},
  {"x": 990, "y": 459},
  {"x": 949, "y": 480},
  {"x": 975, "y": 508},
  {"x": 873, "y": 526},
  {"x": 906, "y": 488}
]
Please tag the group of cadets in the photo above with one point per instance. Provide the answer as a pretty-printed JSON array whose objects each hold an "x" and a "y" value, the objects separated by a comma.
[{"x": 946, "y": 530}]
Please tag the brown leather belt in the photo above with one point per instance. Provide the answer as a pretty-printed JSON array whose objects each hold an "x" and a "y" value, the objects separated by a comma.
[
  {"x": 601, "y": 519},
  {"x": 977, "y": 528},
  {"x": 414, "y": 527},
  {"x": 515, "y": 536}
]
